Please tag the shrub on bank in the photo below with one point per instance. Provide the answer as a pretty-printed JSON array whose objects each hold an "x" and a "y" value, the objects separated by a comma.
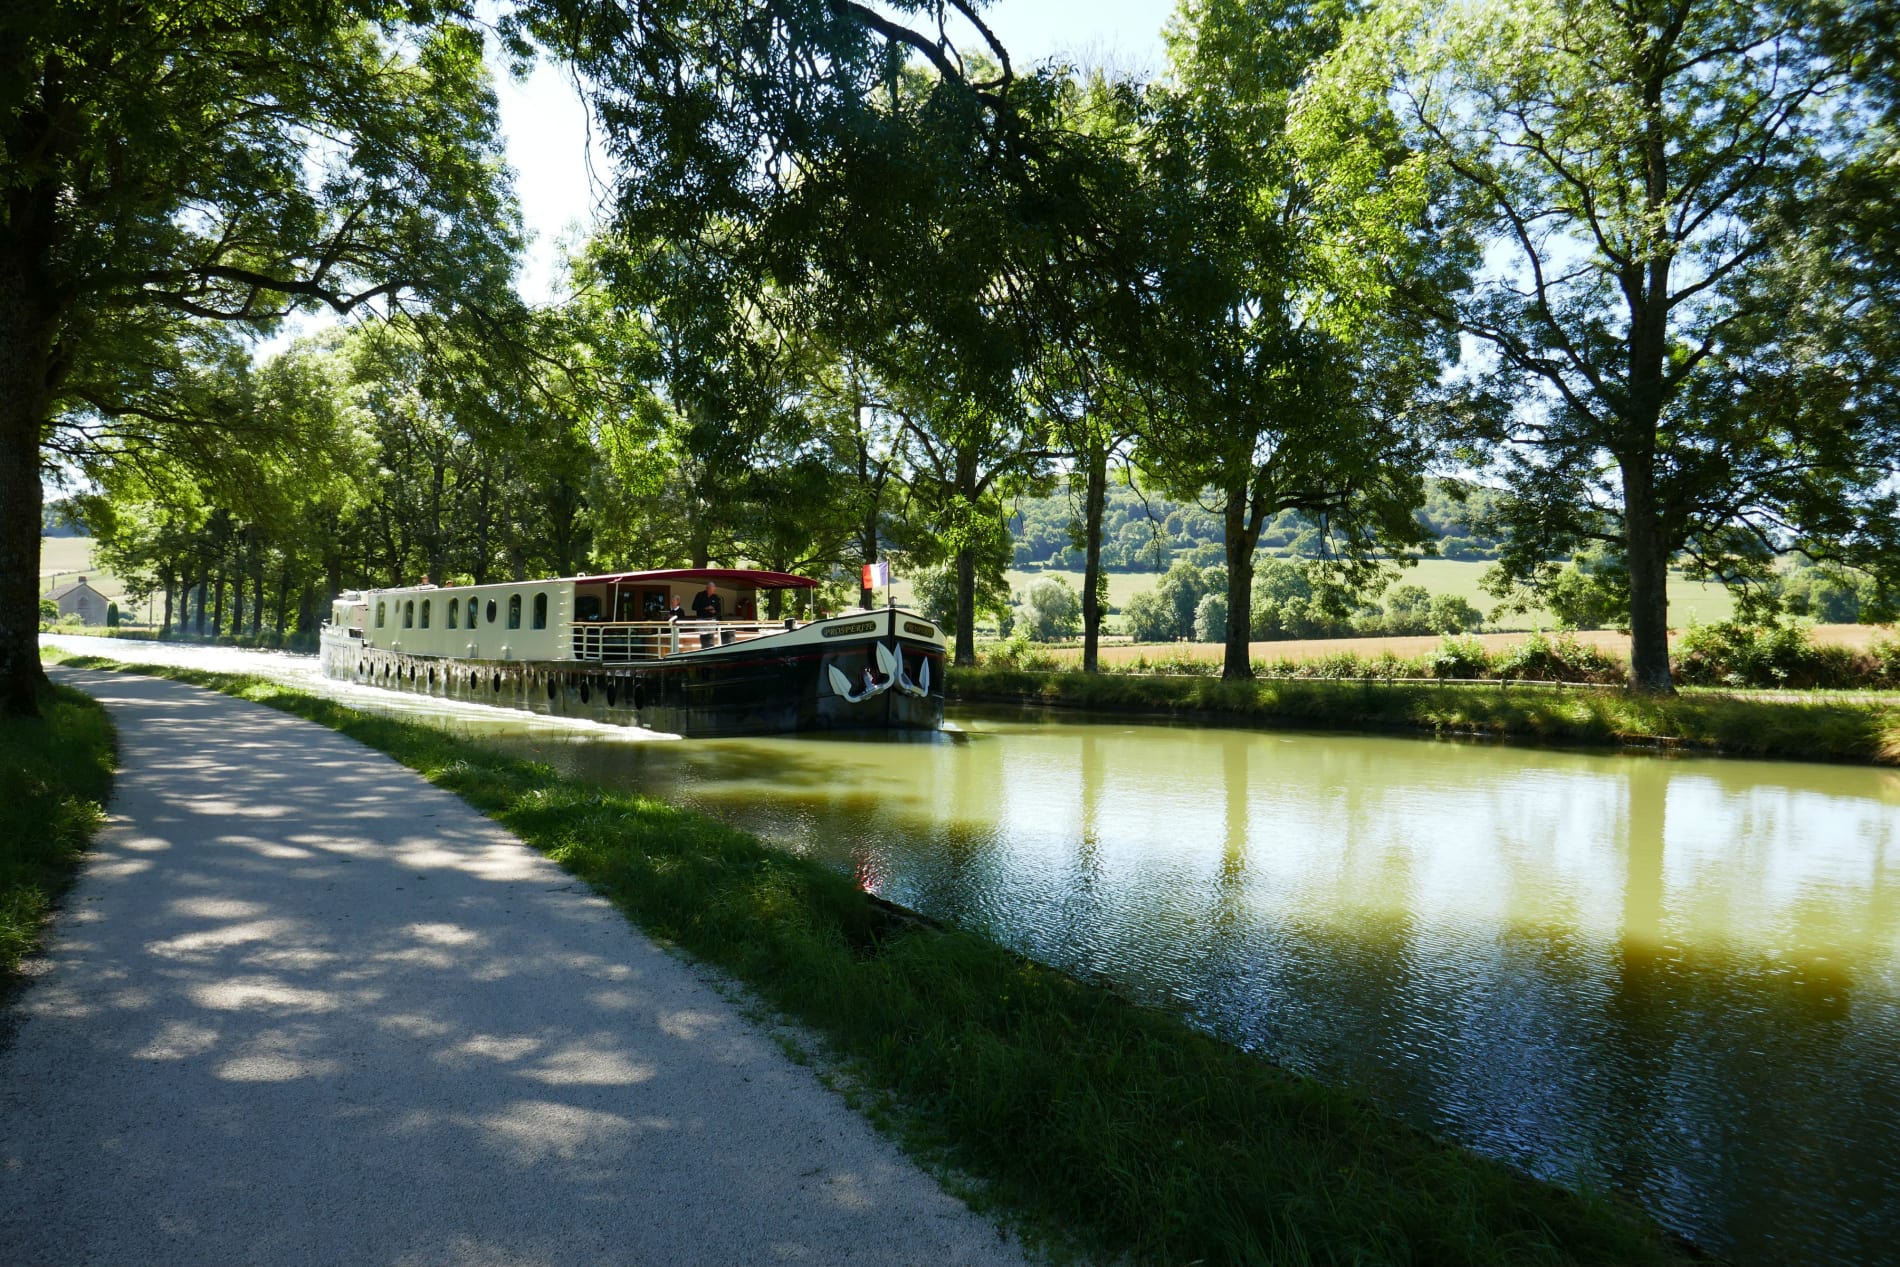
[
  {"x": 1738, "y": 655},
  {"x": 55, "y": 775},
  {"x": 1725, "y": 655}
]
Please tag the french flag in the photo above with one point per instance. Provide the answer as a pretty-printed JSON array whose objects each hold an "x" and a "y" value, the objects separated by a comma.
[{"x": 876, "y": 574}]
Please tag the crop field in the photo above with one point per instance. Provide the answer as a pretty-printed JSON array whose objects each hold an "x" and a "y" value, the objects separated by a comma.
[
  {"x": 64, "y": 559},
  {"x": 1689, "y": 601}
]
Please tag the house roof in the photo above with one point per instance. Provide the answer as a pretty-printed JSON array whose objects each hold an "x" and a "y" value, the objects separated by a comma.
[{"x": 71, "y": 587}]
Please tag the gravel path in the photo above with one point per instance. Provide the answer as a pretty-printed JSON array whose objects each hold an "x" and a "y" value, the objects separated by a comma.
[{"x": 304, "y": 1008}]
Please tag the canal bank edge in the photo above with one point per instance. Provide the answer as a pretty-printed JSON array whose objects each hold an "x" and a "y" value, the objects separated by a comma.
[
  {"x": 1703, "y": 722},
  {"x": 1098, "y": 1127}
]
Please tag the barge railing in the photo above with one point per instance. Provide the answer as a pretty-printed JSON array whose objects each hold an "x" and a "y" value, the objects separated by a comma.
[{"x": 625, "y": 642}]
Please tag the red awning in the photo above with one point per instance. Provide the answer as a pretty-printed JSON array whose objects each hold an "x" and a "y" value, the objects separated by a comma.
[{"x": 754, "y": 578}]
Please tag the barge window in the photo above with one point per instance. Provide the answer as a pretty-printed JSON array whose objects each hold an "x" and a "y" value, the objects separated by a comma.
[
  {"x": 455, "y": 613},
  {"x": 382, "y": 610},
  {"x": 425, "y": 613},
  {"x": 514, "y": 611},
  {"x": 540, "y": 611},
  {"x": 409, "y": 614},
  {"x": 471, "y": 613},
  {"x": 491, "y": 611}
]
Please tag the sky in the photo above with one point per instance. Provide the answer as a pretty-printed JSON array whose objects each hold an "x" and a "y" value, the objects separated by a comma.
[{"x": 545, "y": 127}]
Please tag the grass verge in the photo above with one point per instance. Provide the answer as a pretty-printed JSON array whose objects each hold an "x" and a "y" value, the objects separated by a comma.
[
  {"x": 55, "y": 776},
  {"x": 1098, "y": 1126},
  {"x": 1805, "y": 730}
]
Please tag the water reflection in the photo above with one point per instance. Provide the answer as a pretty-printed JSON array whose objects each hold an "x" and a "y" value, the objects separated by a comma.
[{"x": 1677, "y": 978}]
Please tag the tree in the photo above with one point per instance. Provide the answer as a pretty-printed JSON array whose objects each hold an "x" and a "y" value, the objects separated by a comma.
[
  {"x": 1282, "y": 388},
  {"x": 171, "y": 164},
  {"x": 1149, "y": 618},
  {"x": 1453, "y": 614},
  {"x": 1672, "y": 329}
]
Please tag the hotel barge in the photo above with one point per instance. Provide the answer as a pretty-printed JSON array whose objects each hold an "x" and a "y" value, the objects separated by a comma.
[{"x": 605, "y": 649}]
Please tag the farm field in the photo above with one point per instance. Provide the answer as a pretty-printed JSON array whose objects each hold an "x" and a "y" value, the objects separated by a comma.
[
  {"x": 64, "y": 559},
  {"x": 1689, "y": 601},
  {"x": 1608, "y": 640}
]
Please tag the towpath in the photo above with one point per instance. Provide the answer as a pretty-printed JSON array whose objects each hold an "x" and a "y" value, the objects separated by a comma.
[{"x": 303, "y": 1007}]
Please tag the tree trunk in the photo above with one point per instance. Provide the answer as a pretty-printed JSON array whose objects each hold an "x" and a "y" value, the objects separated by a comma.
[
  {"x": 283, "y": 596},
  {"x": 203, "y": 582},
  {"x": 1648, "y": 557},
  {"x": 237, "y": 602},
  {"x": 966, "y": 606},
  {"x": 257, "y": 595},
  {"x": 217, "y": 606},
  {"x": 1235, "y": 661},
  {"x": 171, "y": 583},
  {"x": 1243, "y": 520},
  {"x": 27, "y": 328},
  {"x": 1094, "y": 499}
]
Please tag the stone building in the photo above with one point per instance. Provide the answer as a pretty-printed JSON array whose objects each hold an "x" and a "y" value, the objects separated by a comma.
[{"x": 81, "y": 600}]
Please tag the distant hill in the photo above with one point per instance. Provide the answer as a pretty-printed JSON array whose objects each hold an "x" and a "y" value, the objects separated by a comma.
[
  {"x": 1148, "y": 533},
  {"x": 59, "y": 519}
]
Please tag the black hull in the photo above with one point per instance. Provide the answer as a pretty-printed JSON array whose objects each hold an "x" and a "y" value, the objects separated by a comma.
[{"x": 748, "y": 688}]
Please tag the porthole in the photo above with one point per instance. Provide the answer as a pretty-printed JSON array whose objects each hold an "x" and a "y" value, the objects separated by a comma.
[
  {"x": 550, "y": 688},
  {"x": 610, "y": 694},
  {"x": 583, "y": 692},
  {"x": 473, "y": 681},
  {"x": 491, "y": 611},
  {"x": 432, "y": 676},
  {"x": 497, "y": 683},
  {"x": 639, "y": 696}
]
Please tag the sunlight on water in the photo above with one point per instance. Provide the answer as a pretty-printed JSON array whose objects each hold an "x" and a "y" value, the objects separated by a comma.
[{"x": 1678, "y": 978}]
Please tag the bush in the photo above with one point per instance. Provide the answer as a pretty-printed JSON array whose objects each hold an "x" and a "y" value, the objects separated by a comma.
[
  {"x": 1454, "y": 615},
  {"x": 112, "y": 615},
  {"x": 1055, "y": 610},
  {"x": 1885, "y": 654},
  {"x": 1210, "y": 619},
  {"x": 1015, "y": 653},
  {"x": 1742, "y": 655},
  {"x": 1560, "y": 659},
  {"x": 1460, "y": 658},
  {"x": 49, "y": 613},
  {"x": 1408, "y": 611}
]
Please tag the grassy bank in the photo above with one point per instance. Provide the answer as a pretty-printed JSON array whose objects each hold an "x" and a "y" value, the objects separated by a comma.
[
  {"x": 1133, "y": 1134},
  {"x": 55, "y": 775},
  {"x": 1831, "y": 730}
]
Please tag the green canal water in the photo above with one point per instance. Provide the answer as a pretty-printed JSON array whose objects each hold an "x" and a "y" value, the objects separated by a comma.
[{"x": 1677, "y": 978}]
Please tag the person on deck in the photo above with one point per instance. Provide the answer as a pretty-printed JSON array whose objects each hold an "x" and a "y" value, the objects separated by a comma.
[
  {"x": 673, "y": 609},
  {"x": 706, "y": 604}
]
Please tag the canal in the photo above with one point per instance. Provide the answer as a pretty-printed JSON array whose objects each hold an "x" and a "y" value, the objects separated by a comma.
[{"x": 1676, "y": 978}]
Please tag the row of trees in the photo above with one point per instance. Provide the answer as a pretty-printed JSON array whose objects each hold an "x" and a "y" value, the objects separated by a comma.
[{"x": 1626, "y": 263}]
